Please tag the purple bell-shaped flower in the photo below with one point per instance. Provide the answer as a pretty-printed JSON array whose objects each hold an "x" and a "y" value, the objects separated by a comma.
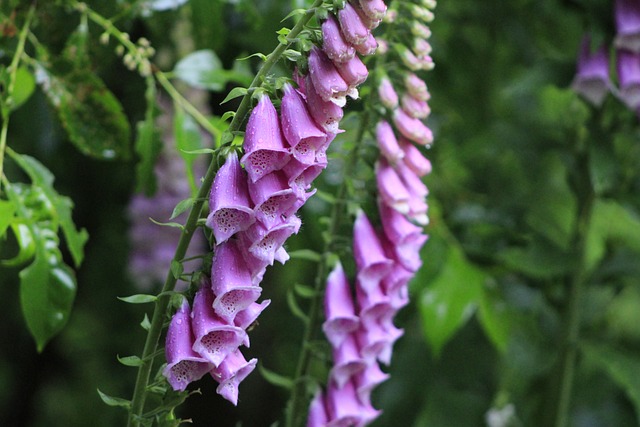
[
  {"x": 333, "y": 43},
  {"x": 371, "y": 262},
  {"x": 338, "y": 308},
  {"x": 628, "y": 65},
  {"x": 627, "y": 13},
  {"x": 592, "y": 78},
  {"x": 387, "y": 143},
  {"x": 328, "y": 82},
  {"x": 233, "y": 369}
]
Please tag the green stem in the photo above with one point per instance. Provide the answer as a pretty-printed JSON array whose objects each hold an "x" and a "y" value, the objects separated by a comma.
[
  {"x": 297, "y": 406},
  {"x": 586, "y": 198},
  {"x": 161, "y": 304},
  {"x": 13, "y": 70}
]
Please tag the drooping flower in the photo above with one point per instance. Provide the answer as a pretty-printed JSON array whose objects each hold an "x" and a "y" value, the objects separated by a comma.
[
  {"x": 328, "y": 82},
  {"x": 416, "y": 87},
  {"x": 627, "y": 14},
  {"x": 374, "y": 9},
  {"x": 229, "y": 204},
  {"x": 333, "y": 43},
  {"x": 326, "y": 114},
  {"x": 368, "y": 252},
  {"x": 347, "y": 361},
  {"x": 230, "y": 373},
  {"x": 412, "y": 128},
  {"x": 353, "y": 71},
  {"x": 263, "y": 145},
  {"x": 592, "y": 77},
  {"x": 415, "y": 107},
  {"x": 338, "y": 307},
  {"x": 273, "y": 198},
  {"x": 354, "y": 30},
  {"x": 414, "y": 159},
  {"x": 183, "y": 364},
  {"x": 387, "y": 143},
  {"x": 392, "y": 191},
  {"x": 628, "y": 65}
]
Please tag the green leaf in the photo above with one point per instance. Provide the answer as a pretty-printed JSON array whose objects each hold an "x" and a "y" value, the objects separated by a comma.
[
  {"x": 496, "y": 320},
  {"x": 235, "y": 93},
  {"x": 130, "y": 360},
  {"x": 181, "y": 207},
  {"x": 295, "y": 308},
  {"x": 306, "y": 254},
  {"x": 304, "y": 291},
  {"x": 622, "y": 366},
  {"x": 540, "y": 259},
  {"x": 450, "y": 300},
  {"x": 42, "y": 177},
  {"x": 177, "y": 268},
  {"x": 89, "y": 112},
  {"x": 168, "y": 224},
  {"x": 24, "y": 87},
  {"x": 148, "y": 144},
  {"x": 26, "y": 244},
  {"x": 114, "y": 401},
  {"x": 146, "y": 324},
  {"x": 202, "y": 69},
  {"x": 47, "y": 289},
  {"x": 275, "y": 379},
  {"x": 188, "y": 138},
  {"x": 139, "y": 299},
  {"x": 7, "y": 209}
]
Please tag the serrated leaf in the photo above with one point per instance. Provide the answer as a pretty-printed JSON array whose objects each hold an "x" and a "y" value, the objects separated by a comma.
[
  {"x": 92, "y": 116},
  {"x": 148, "y": 144},
  {"x": 621, "y": 366},
  {"x": 24, "y": 87},
  {"x": 306, "y": 254},
  {"x": 295, "y": 308},
  {"x": 202, "y": 69},
  {"x": 42, "y": 177},
  {"x": 449, "y": 301},
  {"x": 47, "y": 290},
  {"x": 236, "y": 92},
  {"x": 139, "y": 299},
  {"x": 130, "y": 360},
  {"x": 114, "y": 401},
  {"x": 275, "y": 379},
  {"x": 7, "y": 209},
  {"x": 188, "y": 138}
]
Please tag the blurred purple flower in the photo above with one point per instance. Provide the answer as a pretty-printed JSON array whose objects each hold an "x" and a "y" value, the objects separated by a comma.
[{"x": 592, "y": 77}]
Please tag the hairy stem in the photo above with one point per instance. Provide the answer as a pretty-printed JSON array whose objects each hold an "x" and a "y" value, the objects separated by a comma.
[
  {"x": 13, "y": 70},
  {"x": 161, "y": 304},
  {"x": 583, "y": 188},
  {"x": 297, "y": 405}
]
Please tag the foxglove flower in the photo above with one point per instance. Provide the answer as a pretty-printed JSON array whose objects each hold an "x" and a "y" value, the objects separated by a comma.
[
  {"x": 317, "y": 411},
  {"x": 214, "y": 338},
  {"x": 387, "y": 143},
  {"x": 409, "y": 59},
  {"x": 415, "y": 107},
  {"x": 592, "y": 78},
  {"x": 328, "y": 82},
  {"x": 326, "y": 114},
  {"x": 333, "y": 43},
  {"x": 373, "y": 305},
  {"x": 231, "y": 209},
  {"x": 338, "y": 308},
  {"x": 414, "y": 159},
  {"x": 299, "y": 128},
  {"x": 412, "y": 128},
  {"x": 391, "y": 189},
  {"x": 353, "y": 29},
  {"x": 376, "y": 342},
  {"x": 233, "y": 369},
  {"x": 367, "y": 47},
  {"x": 265, "y": 244},
  {"x": 416, "y": 87},
  {"x": 343, "y": 406},
  {"x": 183, "y": 364},
  {"x": 353, "y": 71},
  {"x": 365, "y": 381},
  {"x": 347, "y": 361},
  {"x": 421, "y": 47},
  {"x": 629, "y": 77},
  {"x": 374, "y": 9},
  {"x": 263, "y": 142},
  {"x": 387, "y": 93},
  {"x": 627, "y": 13},
  {"x": 245, "y": 318},
  {"x": 369, "y": 254},
  {"x": 273, "y": 198},
  {"x": 231, "y": 282}
]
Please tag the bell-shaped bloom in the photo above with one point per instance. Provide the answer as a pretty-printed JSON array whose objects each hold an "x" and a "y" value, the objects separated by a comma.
[
  {"x": 230, "y": 373},
  {"x": 398, "y": 277},
  {"x": 416, "y": 87},
  {"x": 407, "y": 252},
  {"x": 333, "y": 43},
  {"x": 592, "y": 78},
  {"x": 411, "y": 181},
  {"x": 418, "y": 209},
  {"x": 391, "y": 188},
  {"x": 627, "y": 13},
  {"x": 343, "y": 406},
  {"x": 301, "y": 176},
  {"x": 387, "y": 143},
  {"x": 231, "y": 281},
  {"x": 371, "y": 262},
  {"x": 387, "y": 93},
  {"x": 365, "y": 381},
  {"x": 272, "y": 197},
  {"x": 263, "y": 145},
  {"x": 328, "y": 83},
  {"x": 326, "y": 114},
  {"x": 421, "y": 47},
  {"x": 214, "y": 338},
  {"x": 263, "y": 243},
  {"x": 231, "y": 209},
  {"x": 338, "y": 308},
  {"x": 347, "y": 361},
  {"x": 414, "y": 159},
  {"x": 183, "y": 364},
  {"x": 353, "y": 29},
  {"x": 317, "y": 411},
  {"x": 373, "y": 304},
  {"x": 245, "y": 318},
  {"x": 628, "y": 65},
  {"x": 374, "y": 9},
  {"x": 409, "y": 59},
  {"x": 353, "y": 71},
  {"x": 299, "y": 128},
  {"x": 376, "y": 342},
  {"x": 412, "y": 128},
  {"x": 399, "y": 296},
  {"x": 415, "y": 107}
]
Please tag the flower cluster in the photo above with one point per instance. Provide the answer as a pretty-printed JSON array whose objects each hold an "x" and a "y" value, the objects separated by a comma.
[
  {"x": 254, "y": 201},
  {"x": 361, "y": 330},
  {"x": 592, "y": 79}
]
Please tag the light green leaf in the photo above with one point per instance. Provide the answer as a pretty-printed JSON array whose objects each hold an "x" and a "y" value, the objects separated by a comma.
[
  {"x": 26, "y": 244},
  {"x": 306, "y": 254},
  {"x": 202, "y": 69},
  {"x": 7, "y": 209},
  {"x": 235, "y": 93},
  {"x": 146, "y": 324},
  {"x": 304, "y": 291},
  {"x": 275, "y": 379},
  {"x": 130, "y": 360},
  {"x": 450, "y": 300},
  {"x": 47, "y": 290},
  {"x": 24, "y": 87},
  {"x": 622, "y": 366},
  {"x": 114, "y": 401},
  {"x": 188, "y": 138},
  {"x": 139, "y": 299},
  {"x": 181, "y": 207},
  {"x": 295, "y": 308},
  {"x": 496, "y": 320}
]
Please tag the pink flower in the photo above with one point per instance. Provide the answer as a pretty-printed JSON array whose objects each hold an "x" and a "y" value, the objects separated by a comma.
[
  {"x": 328, "y": 82},
  {"x": 387, "y": 143},
  {"x": 412, "y": 128},
  {"x": 629, "y": 77},
  {"x": 415, "y": 107},
  {"x": 273, "y": 198},
  {"x": 592, "y": 77},
  {"x": 333, "y": 43},
  {"x": 354, "y": 30},
  {"x": 233, "y": 369},
  {"x": 387, "y": 93},
  {"x": 627, "y": 13},
  {"x": 338, "y": 308},
  {"x": 371, "y": 260}
]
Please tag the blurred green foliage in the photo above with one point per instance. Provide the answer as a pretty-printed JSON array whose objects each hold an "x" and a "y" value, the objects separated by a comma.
[{"x": 486, "y": 329}]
